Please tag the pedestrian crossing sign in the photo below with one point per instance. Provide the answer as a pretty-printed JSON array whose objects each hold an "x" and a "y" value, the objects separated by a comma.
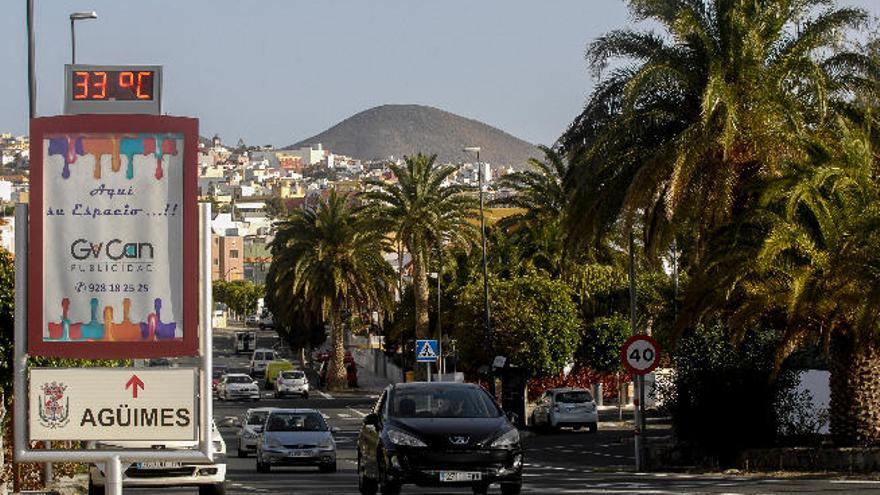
[{"x": 427, "y": 351}]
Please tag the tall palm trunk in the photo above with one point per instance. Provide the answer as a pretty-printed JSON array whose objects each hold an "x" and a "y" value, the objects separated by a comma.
[
  {"x": 855, "y": 392},
  {"x": 420, "y": 291},
  {"x": 336, "y": 376}
]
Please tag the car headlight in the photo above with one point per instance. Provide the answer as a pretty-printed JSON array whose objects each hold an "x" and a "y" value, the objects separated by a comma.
[
  {"x": 326, "y": 444},
  {"x": 398, "y": 437},
  {"x": 273, "y": 443},
  {"x": 507, "y": 440}
]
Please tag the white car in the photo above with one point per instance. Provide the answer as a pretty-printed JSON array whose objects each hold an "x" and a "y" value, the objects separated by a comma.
[
  {"x": 209, "y": 478},
  {"x": 560, "y": 407},
  {"x": 250, "y": 427},
  {"x": 260, "y": 359},
  {"x": 292, "y": 382},
  {"x": 235, "y": 386},
  {"x": 267, "y": 322}
]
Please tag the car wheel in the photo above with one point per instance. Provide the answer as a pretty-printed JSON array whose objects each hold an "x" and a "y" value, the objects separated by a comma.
[
  {"x": 305, "y": 395},
  {"x": 386, "y": 486},
  {"x": 511, "y": 488},
  {"x": 217, "y": 489},
  {"x": 593, "y": 427},
  {"x": 366, "y": 485},
  {"x": 263, "y": 467},
  {"x": 95, "y": 489},
  {"x": 481, "y": 488},
  {"x": 242, "y": 453}
]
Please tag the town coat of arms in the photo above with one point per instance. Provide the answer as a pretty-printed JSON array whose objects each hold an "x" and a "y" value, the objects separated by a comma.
[{"x": 54, "y": 406}]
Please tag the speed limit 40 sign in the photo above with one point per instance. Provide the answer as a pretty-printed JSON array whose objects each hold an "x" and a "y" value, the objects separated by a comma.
[{"x": 641, "y": 354}]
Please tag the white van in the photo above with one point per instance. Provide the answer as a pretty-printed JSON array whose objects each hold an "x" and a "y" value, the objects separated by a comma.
[{"x": 259, "y": 360}]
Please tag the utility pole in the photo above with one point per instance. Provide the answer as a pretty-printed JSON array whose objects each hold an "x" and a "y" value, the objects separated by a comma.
[
  {"x": 32, "y": 76},
  {"x": 637, "y": 379}
]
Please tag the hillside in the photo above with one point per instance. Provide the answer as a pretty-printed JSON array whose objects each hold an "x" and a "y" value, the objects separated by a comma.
[{"x": 397, "y": 130}]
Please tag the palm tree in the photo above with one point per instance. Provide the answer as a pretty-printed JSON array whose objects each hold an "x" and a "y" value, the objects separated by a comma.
[
  {"x": 809, "y": 261},
  {"x": 423, "y": 211},
  {"x": 327, "y": 259},
  {"x": 541, "y": 194},
  {"x": 718, "y": 99},
  {"x": 540, "y": 190}
]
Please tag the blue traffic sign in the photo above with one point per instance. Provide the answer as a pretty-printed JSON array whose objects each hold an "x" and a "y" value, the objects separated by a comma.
[{"x": 427, "y": 351}]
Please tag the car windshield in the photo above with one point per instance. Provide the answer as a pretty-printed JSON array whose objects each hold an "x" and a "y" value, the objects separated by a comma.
[
  {"x": 305, "y": 421},
  {"x": 238, "y": 379},
  {"x": 258, "y": 356},
  {"x": 292, "y": 375},
  {"x": 442, "y": 402},
  {"x": 578, "y": 397},
  {"x": 257, "y": 417}
]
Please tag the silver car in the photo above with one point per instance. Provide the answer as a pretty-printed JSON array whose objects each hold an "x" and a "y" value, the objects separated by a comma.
[
  {"x": 292, "y": 382},
  {"x": 296, "y": 437},
  {"x": 236, "y": 386},
  {"x": 250, "y": 426}
]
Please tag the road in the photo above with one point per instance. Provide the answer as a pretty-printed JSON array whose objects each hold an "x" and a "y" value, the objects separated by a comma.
[{"x": 566, "y": 462}]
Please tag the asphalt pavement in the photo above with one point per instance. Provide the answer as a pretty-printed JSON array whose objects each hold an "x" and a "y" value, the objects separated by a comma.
[{"x": 564, "y": 462}]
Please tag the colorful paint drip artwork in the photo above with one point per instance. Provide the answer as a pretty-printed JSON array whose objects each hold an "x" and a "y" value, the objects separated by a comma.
[
  {"x": 153, "y": 328},
  {"x": 157, "y": 145}
]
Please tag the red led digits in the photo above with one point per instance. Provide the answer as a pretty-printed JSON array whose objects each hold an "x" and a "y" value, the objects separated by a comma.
[
  {"x": 126, "y": 80},
  {"x": 112, "y": 85},
  {"x": 100, "y": 86},
  {"x": 142, "y": 92},
  {"x": 80, "y": 85}
]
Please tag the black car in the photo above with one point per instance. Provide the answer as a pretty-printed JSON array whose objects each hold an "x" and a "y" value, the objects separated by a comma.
[{"x": 438, "y": 434}]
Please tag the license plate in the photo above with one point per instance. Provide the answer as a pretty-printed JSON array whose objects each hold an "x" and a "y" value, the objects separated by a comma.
[
  {"x": 453, "y": 476},
  {"x": 301, "y": 453},
  {"x": 158, "y": 465}
]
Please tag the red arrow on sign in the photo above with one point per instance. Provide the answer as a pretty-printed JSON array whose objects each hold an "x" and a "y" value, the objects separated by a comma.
[{"x": 134, "y": 382}]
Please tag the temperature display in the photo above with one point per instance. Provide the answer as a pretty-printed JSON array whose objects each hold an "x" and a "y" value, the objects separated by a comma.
[{"x": 113, "y": 85}]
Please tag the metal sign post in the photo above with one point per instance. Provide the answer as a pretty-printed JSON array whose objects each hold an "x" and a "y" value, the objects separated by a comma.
[
  {"x": 112, "y": 459},
  {"x": 640, "y": 355},
  {"x": 427, "y": 351}
]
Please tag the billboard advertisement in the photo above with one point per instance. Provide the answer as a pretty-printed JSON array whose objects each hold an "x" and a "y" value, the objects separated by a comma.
[{"x": 113, "y": 237}]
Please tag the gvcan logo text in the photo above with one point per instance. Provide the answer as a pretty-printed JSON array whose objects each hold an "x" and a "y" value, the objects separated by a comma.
[{"x": 114, "y": 249}]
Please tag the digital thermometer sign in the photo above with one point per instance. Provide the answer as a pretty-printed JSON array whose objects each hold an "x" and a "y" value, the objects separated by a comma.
[
  {"x": 112, "y": 89},
  {"x": 115, "y": 85}
]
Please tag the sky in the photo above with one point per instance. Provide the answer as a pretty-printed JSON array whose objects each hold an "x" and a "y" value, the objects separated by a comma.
[{"x": 278, "y": 71}]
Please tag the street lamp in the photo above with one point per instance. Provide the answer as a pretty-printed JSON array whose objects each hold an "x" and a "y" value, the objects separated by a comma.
[
  {"x": 441, "y": 367},
  {"x": 78, "y": 16},
  {"x": 488, "y": 328}
]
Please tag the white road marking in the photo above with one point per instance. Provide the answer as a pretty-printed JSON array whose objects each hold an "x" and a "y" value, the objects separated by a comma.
[
  {"x": 359, "y": 413},
  {"x": 324, "y": 394}
]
